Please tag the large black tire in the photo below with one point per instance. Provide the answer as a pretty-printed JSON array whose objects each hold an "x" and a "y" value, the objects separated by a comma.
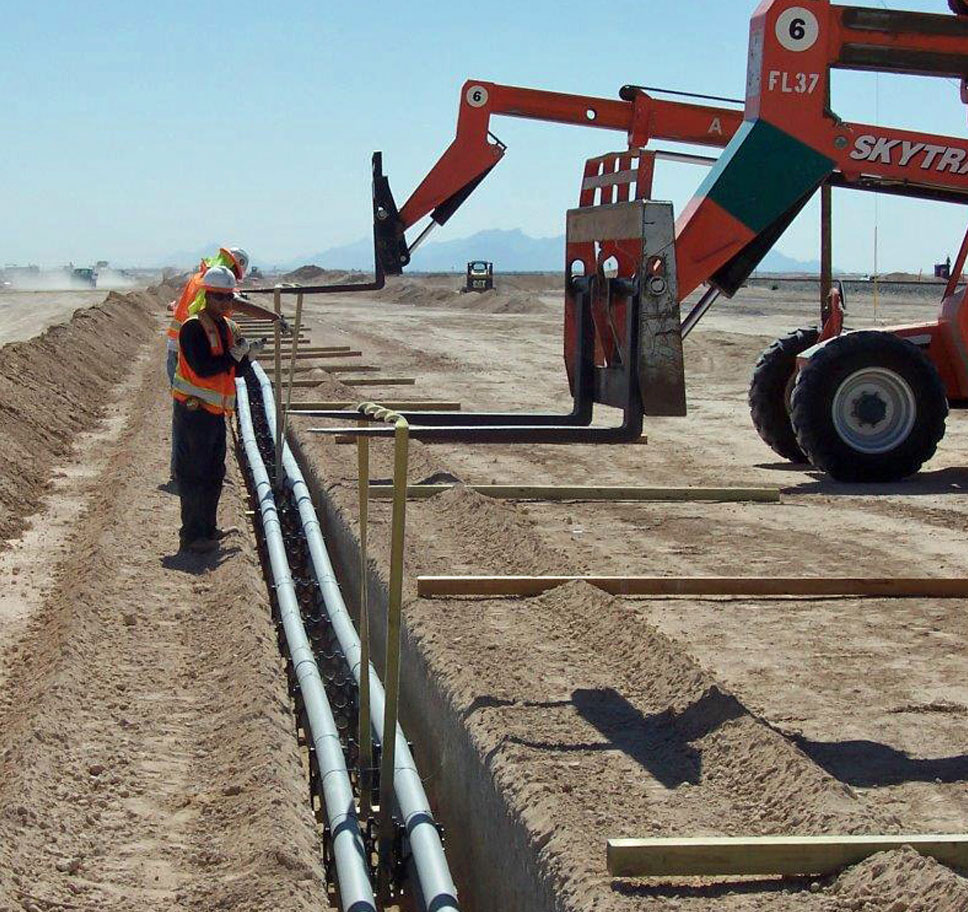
[
  {"x": 770, "y": 388},
  {"x": 869, "y": 406}
]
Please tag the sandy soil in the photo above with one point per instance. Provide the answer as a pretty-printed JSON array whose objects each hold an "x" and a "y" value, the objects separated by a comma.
[
  {"x": 604, "y": 717},
  {"x": 24, "y": 314},
  {"x": 147, "y": 757},
  {"x": 147, "y": 752}
]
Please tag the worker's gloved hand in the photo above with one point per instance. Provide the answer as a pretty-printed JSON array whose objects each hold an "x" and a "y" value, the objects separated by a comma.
[
  {"x": 257, "y": 346},
  {"x": 241, "y": 348},
  {"x": 284, "y": 325}
]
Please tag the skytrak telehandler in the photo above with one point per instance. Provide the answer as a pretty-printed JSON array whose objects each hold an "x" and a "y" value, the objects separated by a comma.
[{"x": 861, "y": 406}]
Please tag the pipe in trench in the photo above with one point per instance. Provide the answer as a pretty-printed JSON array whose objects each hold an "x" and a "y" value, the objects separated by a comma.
[
  {"x": 437, "y": 889},
  {"x": 349, "y": 854}
]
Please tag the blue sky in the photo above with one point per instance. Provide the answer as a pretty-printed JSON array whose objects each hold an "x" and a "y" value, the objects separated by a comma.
[{"x": 129, "y": 131}]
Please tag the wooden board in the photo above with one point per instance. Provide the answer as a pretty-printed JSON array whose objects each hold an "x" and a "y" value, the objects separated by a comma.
[
  {"x": 331, "y": 368},
  {"x": 379, "y": 381},
  {"x": 400, "y": 406},
  {"x": 246, "y": 323},
  {"x": 356, "y": 381},
  {"x": 767, "y": 854},
  {"x": 304, "y": 354},
  {"x": 313, "y": 350},
  {"x": 916, "y": 587},
  {"x": 597, "y": 492}
]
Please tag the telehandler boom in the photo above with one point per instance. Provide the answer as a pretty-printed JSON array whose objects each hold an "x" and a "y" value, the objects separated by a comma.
[{"x": 862, "y": 406}]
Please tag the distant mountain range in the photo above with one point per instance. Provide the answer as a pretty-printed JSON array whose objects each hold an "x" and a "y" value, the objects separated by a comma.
[
  {"x": 510, "y": 250},
  {"x": 775, "y": 261}
]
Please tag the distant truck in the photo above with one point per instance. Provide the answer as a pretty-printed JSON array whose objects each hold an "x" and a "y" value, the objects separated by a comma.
[
  {"x": 84, "y": 275},
  {"x": 480, "y": 276}
]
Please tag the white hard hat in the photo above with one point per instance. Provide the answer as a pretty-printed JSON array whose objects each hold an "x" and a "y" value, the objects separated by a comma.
[
  {"x": 219, "y": 279},
  {"x": 241, "y": 260}
]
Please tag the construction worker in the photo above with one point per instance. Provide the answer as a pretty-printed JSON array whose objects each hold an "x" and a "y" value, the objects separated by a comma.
[
  {"x": 211, "y": 350},
  {"x": 236, "y": 259}
]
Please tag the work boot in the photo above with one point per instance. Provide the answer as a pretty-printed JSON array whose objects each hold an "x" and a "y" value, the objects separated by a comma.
[{"x": 202, "y": 546}]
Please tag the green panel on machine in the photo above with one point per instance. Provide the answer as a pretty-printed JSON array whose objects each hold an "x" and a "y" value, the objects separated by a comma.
[{"x": 762, "y": 173}]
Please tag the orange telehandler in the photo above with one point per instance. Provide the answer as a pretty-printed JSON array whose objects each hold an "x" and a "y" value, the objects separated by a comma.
[{"x": 861, "y": 406}]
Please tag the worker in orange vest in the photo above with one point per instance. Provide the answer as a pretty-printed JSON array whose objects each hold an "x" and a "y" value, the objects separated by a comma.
[
  {"x": 211, "y": 351},
  {"x": 234, "y": 258}
]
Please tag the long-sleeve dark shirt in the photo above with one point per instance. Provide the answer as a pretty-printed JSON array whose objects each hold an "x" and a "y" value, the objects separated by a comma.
[{"x": 193, "y": 342}]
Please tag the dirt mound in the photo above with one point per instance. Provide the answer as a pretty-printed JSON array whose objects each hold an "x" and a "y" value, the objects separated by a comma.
[
  {"x": 543, "y": 282},
  {"x": 316, "y": 275},
  {"x": 498, "y": 302},
  {"x": 903, "y": 881},
  {"x": 52, "y": 388},
  {"x": 328, "y": 387},
  {"x": 493, "y": 537},
  {"x": 426, "y": 293},
  {"x": 308, "y": 273},
  {"x": 440, "y": 293}
]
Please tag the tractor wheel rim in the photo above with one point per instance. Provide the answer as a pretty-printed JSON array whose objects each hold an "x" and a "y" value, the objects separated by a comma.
[{"x": 874, "y": 410}]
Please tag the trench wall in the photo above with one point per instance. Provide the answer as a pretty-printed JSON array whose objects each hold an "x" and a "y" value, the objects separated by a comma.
[{"x": 489, "y": 850}]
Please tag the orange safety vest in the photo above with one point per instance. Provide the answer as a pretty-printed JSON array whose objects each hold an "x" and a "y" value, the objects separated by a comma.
[
  {"x": 214, "y": 394},
  {"x": 189, "y": 293}
]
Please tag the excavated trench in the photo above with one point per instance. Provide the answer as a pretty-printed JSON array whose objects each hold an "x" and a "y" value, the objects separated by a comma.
[
  {"x": 323, "y": 662},
  {"x": 482, "y": 834},
  {"x": 490, "y": 851}
]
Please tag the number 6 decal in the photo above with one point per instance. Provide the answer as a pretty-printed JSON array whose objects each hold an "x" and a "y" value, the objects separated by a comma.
[
  {"x": 797, "y": 29},
  {"x": 476, "y": 96}
]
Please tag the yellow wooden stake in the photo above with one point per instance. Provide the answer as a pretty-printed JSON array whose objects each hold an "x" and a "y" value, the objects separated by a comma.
[
  {"x": 595, "y": 493},
  {"x": 365, "y": 728},
  {"x": 873, "y": 587},
  {"x": 777, "y": 855}
]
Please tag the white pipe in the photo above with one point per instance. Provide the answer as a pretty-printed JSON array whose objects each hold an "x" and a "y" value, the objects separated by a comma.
[
  {"x": 436, "y": 884},
  {"x": 355, "y": 890}
]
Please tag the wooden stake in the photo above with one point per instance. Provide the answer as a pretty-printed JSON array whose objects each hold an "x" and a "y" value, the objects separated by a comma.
[
  {"x": 596, "y": 492},
  {"x": 911, "y": 587},
  {"x": 364, "y": 724},
  {"x": 767, "y": 854},
  {"x": 277, "y": 359},
  {"x": 280, "y": 444}
]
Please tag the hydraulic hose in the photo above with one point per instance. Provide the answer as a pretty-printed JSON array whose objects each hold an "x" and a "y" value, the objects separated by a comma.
[
  {"x": 437, "y": 889},
  {"x": 356, "y": 892}
]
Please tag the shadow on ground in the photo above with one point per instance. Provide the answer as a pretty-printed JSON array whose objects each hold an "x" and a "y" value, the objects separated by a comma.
[
  {"x": 718, "y": 889},
  {"x": 197, "y": 564},
  {"x": 660, "y": 743},
  {"x": 869, "y": 764},
  {"x": 942, "y": 481}
]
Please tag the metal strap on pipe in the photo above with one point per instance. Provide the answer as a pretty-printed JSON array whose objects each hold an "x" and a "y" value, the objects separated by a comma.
[
  {"x": 349, "y": 853},
  {"x": 433, "y": 874}
]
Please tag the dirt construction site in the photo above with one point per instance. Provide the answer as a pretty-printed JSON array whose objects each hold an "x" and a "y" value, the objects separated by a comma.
[{"x": 154, "y": 749}]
